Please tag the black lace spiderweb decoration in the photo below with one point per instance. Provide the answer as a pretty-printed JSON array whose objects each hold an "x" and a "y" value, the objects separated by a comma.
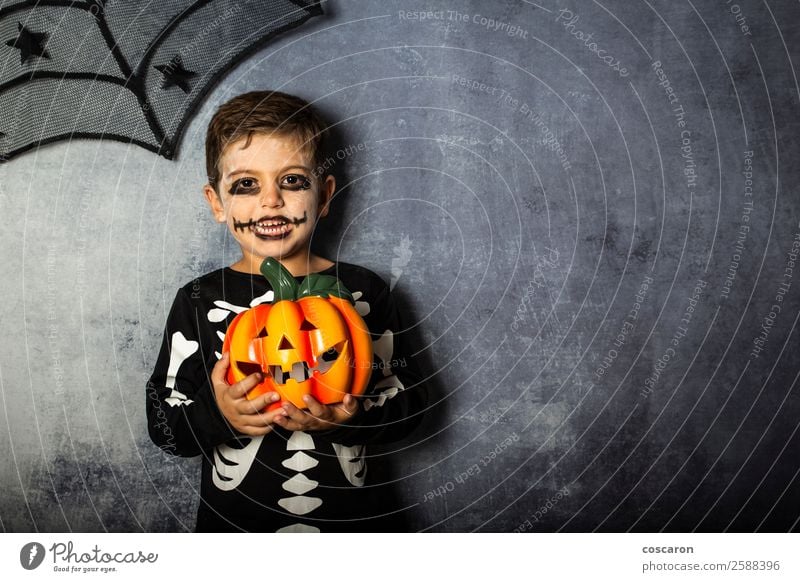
[{"x": 129, "y": 70}]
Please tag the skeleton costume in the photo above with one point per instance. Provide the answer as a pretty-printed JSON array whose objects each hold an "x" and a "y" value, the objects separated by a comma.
[{"x": 285, "y": 481}]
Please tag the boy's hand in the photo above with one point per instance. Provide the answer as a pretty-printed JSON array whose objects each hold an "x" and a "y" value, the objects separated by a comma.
[
  {"x": 242, "y": 414},
  {"x": 318, "y": 416}
]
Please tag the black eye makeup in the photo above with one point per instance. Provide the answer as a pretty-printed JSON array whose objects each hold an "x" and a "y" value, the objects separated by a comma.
[
  {"x": 296, "y": 182},
  {"x": 244, "y": 186},
  {"x": 288, "y": 182}
]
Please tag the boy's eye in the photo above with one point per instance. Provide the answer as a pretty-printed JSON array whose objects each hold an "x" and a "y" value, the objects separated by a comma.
[
  {"x": 244, "y": 186},
  {"x": 296, "y": 182}
]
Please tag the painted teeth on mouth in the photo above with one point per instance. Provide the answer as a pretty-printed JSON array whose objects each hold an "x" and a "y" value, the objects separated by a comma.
[{"x": 270, "y": 227}]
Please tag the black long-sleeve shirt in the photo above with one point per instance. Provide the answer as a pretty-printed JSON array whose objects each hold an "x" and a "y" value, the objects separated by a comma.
[{"x": 284, "y": 481}]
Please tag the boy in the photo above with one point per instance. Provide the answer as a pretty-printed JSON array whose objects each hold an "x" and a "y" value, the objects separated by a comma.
[{"x": 289, "y": 469}]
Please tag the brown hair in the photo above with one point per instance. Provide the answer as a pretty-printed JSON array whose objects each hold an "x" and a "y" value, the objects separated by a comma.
[{"x": 268, "y": 112}]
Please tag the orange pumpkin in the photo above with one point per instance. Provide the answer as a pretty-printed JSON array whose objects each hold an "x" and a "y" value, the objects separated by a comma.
[{"x": 309, "y": 340}]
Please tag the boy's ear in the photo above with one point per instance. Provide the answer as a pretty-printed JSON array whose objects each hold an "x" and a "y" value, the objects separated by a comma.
[
  {"x": 215, "y": 203},
  {"x": 327, "y": 189}
]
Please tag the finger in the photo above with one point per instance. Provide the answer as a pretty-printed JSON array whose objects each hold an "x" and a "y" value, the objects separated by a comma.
[
  {"x": 291, "y": 424},
  {"x": 220, "y": 369},
  {"x": 260, "y": 419},
  {"x": 257, "y": 404},
  {"x": 315, "y": 408},
  {"x": 243, "y": 386},
  {"x": 293, "y": 412},
  {"x": 273, "y": 415},
  {"x": 349, "y": 405},
  {"x": 245, "y": 407}
]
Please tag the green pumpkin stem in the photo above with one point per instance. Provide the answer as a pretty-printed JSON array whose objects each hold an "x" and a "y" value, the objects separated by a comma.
[
  {"x": 314, "y": 284},
  {"x": 281, "y": 280}
]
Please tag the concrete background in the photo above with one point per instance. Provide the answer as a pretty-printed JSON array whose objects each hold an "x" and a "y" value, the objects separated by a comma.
[{"x": 521, "y": 218}]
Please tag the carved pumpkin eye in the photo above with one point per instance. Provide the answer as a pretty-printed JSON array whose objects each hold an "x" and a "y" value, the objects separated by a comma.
[
  {"x": 307, "y": 326},
  {"x": 330, "y": 355},
  {"x": 248, "y": 368}
]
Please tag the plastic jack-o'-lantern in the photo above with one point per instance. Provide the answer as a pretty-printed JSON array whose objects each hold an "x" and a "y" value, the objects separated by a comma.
[{"x": 309, "y": 340}]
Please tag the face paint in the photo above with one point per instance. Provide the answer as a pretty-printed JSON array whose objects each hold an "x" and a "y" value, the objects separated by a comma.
[
  {"x": 292, "y": 182},
  {"x": 270, "y": 227},
  {"x": 270, "y": 199},
  {"x": 244, "y": 186},
  {"x": 296, "y": 182}
]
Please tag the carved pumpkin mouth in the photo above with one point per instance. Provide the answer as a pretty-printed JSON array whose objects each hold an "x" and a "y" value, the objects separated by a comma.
[{"x": 298, "y": 371}]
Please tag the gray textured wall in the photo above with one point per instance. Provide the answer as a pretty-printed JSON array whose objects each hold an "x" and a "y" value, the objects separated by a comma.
[{"x": 529, "y": 211}]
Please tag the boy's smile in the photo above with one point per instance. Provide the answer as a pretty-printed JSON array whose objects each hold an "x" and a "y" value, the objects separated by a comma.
[
  {"x": 270, "y": 227},
  {"x": 271, "y": 201}
]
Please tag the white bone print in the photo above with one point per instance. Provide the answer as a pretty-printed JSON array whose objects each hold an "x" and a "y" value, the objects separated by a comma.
[
  {"x": 352, "y": 462},
  {"x": 232, "y": 464},
  {"x": 299, "y": 484},
  {"x": 179, "y": 352},
  {"x": 300, "y": 462},
  {"x": 401, "y": 258},
  {"x": 361, "y": 307},
  {"x": 298, "y": 528},
  {"x": 223, "y": 308},
  {"x": 300, "y": 441},
  {"x": 395, "y": 386},
  {"x": 300, "y": 504},
  {"x": 222, "y": 311},
  {"x": 384, "y": 349},
  {"x": 265, "y": 298}
]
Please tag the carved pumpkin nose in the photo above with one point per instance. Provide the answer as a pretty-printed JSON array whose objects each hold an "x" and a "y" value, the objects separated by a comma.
[{"x": 285, "y": 344}]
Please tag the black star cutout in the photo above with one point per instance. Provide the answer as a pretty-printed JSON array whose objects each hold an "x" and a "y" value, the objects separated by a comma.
[
  {"x": 30, "y": 44},
  {"x": 175, "y": 75}
]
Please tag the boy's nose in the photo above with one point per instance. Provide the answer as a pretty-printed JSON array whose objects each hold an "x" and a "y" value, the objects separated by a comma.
[{"x": 271, "y": 197}]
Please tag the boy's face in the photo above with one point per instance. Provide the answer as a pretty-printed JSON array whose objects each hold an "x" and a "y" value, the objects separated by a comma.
[{"x": 269, "y": 198}]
